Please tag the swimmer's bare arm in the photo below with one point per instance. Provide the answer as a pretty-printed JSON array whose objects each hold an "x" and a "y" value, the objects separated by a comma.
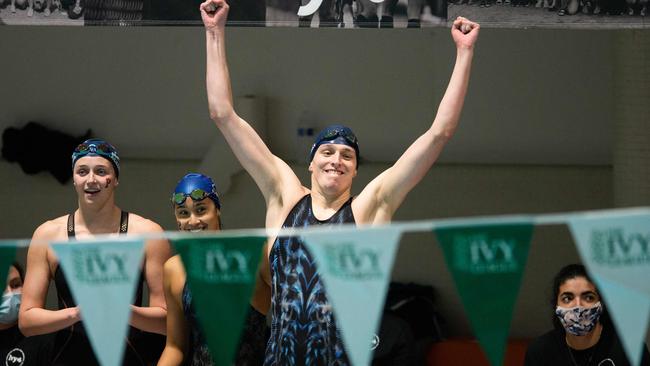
[
  {"x": 386, "y": 192},
  {"x": 275, "y": 179},
  {"x": 177, "y": 345},
  {"x": 34, "y": 319},
  {"x": 156, "y": 252}
]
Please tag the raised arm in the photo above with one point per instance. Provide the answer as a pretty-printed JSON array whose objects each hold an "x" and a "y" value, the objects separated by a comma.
[
  {"x": 389, "y": 189},
  {"x": 33, "y": 318},
  {"x": 270, "y": 173}
]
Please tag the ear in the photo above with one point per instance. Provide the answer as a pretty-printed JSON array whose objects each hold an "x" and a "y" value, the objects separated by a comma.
[{"x": 311, "y": 166}]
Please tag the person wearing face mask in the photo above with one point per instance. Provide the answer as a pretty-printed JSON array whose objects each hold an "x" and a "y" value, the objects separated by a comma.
[
  {"x": 15, "y": 349},
  {"x": 583, "y": 333},
  {"x": 197, "y": 208},
  {"x": 96, "y": 170}
]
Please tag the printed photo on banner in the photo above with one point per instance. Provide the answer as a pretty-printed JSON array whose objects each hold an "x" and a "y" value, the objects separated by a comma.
[
  {"x": 248, "y": 13},
  {"x": 579, "y": 14}
]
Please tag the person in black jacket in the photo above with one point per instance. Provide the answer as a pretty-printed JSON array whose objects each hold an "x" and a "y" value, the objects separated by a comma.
[
  {"x": 15, "y": 348},
  {"x": 583, "y": 332}
]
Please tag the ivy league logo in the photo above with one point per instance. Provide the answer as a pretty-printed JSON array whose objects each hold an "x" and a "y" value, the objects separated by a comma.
[
  {"x": 347, "y": 261},
  {"x": 94, "y": 266},
  {"x": 615, "y": 247},
  {"x": 480, "y": 254},
  {"x": 224, "y": 265}
]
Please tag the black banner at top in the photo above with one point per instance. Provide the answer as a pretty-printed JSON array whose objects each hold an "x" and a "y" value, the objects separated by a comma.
[{"x": 610, "y": 14}]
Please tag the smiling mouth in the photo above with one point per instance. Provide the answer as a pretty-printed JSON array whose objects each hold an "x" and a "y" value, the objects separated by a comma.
[
  {"x": 196, "y": 230},
  {"x": 333, "y": 171},
  {"x": 91, "y": 191}
]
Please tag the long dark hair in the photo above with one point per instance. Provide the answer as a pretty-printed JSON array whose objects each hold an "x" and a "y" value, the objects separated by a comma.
[
  {"x": 19, "y": 268},
  {"x": 568, "y": 272}
]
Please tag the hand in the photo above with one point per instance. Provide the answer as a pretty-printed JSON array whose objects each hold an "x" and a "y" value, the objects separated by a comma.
[
  {"x": 214, "y": 14},
  {"x": 74, "y": 314},
  {"x": 464, "y": 32}
]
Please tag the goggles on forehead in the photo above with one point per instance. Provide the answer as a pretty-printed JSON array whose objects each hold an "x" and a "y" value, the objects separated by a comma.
[
  {"x": 196, "y": 195},
  {"x": 340, "y": 132},
  {"x": 100, "y": 148},
  {"x": 91, "y": 148}
]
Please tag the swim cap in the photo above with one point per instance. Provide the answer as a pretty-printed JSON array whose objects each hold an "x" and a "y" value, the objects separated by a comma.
[
  {"x": 196, "y": 186},
  {"x": 97, "y": 147},
  {"x": 335, "y": 134}
]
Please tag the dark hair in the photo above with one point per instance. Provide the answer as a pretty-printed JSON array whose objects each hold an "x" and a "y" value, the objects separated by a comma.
[
  {"x": 19, "y": 268},
  {"x": 566, "y": 273}
]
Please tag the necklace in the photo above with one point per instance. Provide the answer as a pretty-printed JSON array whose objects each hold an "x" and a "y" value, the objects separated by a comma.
[
  {"x": 573, "y": 360},
  {"x": 598, "y": 333}
]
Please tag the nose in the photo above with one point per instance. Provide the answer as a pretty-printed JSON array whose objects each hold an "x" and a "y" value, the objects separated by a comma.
[
  {"x": 336, "y": 158},
  {"x": 92, "y": 177},
  {"x": 579, "y": 302},
  {"x": 194, "y": 220}
]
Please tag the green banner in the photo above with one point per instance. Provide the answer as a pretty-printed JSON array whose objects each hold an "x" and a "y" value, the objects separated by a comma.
[
  {"x": 7, "y": 255},
  {"x": 221, "y": 273},
  {"x": 486, "y": 263}
]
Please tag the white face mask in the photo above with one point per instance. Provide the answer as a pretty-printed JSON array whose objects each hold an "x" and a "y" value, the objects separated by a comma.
[{"x": 9, "y": 307}]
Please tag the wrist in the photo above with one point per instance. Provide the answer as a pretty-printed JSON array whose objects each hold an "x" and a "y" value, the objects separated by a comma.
[
  {"x": 461, "y": 48},
  {"x": 74, "y": 314},
  {"x": 213, "y": 32}
]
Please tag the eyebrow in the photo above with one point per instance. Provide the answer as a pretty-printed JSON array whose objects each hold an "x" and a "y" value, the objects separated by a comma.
[
  {"x": 582, "y": 293},
  {"x": 95, "y": 166}
]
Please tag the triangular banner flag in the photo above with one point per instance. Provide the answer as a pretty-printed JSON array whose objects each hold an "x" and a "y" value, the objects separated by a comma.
[
  {"x": 102, "y": 276},
  {"x": 7, "y": 256},
  {"x": 355, "y": 267},
  {"x": 616, "y": 250},
  {"x": 631, "y": 315},
  {"x": 487, "y": 263},
  {"x": 221, "y": 273}
]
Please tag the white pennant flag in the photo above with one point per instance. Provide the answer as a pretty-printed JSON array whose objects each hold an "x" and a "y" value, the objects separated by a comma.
[
  {"x": 102, "y": 276},
  {"x": 355, "y": 266},
  {"x": 616, "y": 250}
]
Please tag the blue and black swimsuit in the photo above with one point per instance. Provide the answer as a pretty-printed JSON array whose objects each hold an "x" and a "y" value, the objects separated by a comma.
[{"x": 303, "y": 328}]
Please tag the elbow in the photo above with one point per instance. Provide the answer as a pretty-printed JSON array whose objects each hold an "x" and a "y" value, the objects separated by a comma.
[
  {"x": 221, "y": 114},
  {"x": 24, "y": 326},
  {"x": 443, "y": 135}
]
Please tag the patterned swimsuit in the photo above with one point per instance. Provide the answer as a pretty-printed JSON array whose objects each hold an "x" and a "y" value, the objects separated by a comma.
[{"x": 303, "y": 328}]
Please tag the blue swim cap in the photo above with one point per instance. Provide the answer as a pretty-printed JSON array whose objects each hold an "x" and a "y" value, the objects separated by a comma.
[
  {"x": 335, "y": 134},
  {"x": 97, "y": 147},
  {"x": 196, "y": 186}
]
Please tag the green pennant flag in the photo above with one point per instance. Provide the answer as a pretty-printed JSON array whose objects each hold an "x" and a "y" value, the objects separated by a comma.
[
  {"x": 7, "y": 256},
  {"x": 486, "y": 263},
  {"x": 221, "y": 273}
]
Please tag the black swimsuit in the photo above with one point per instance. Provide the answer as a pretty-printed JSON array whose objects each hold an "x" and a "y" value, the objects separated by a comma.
[
  {"x": 303, "y": 328},
  {"x": 72, "y": 346}
]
